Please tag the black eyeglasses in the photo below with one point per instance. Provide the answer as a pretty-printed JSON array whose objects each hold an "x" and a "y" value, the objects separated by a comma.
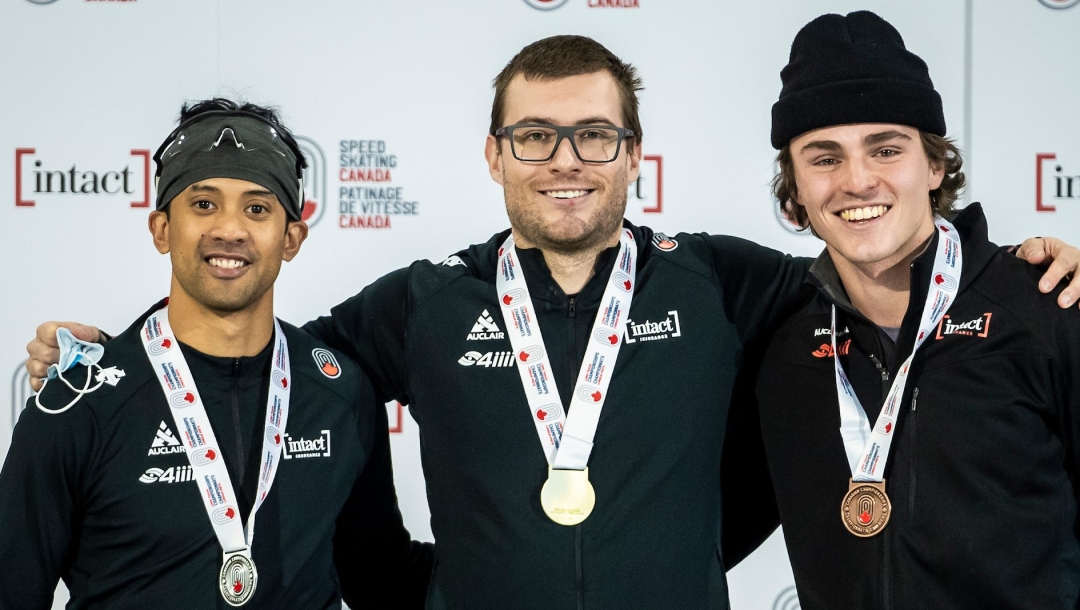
[{"x": 535, "y": 142}]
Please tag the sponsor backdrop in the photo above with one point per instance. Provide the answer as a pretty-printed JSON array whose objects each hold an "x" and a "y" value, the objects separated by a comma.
[{"x": 391, "y": 101}]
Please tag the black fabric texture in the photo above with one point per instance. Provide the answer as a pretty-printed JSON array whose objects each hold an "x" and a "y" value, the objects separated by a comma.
[
  {"x": 853, "y": 69},
  {"x": 229, "y": 146},
  {"x": 660, "y": 535},
  {"x": 982, "y": 470},
  {"x": 87, "y": 497}
]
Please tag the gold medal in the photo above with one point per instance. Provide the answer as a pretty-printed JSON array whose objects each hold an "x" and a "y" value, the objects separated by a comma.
[
  {"x": 238, "y": 579},
  {"x": 567, "y": 496},
  {"x": 865, "y": 509}
]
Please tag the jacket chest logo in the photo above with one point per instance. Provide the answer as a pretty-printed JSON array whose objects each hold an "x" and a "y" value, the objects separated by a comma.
[
  {"x": 668, "y": 327},
  {"x": 979, "y": 327},
  {"x": 485, "y": 329},
  {"x": 295, "y": 448}
]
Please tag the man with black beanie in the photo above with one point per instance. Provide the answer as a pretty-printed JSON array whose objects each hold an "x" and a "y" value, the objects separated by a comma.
[{"x": 918, "y": 411}]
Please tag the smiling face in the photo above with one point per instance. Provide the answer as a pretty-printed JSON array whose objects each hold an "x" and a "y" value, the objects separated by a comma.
[
  {"x": 226, "y": 239},
  {"x": 866, "y": 190},
  {"x": 564, "y": 205}
]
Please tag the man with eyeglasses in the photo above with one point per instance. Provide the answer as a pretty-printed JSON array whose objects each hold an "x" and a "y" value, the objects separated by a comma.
[{"x": 556, "y": 478}]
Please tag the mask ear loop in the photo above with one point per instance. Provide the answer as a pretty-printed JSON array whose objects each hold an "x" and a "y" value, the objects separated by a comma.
[{"x": 86, "y": 389}]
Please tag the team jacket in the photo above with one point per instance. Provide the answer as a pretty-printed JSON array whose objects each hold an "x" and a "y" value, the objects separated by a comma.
[
  {"x": 433, "y": 337},
  {"x": 983, "y": 465},
  {"x": 102, "y": 494}
]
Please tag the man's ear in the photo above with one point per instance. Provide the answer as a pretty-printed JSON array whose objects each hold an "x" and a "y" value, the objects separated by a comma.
[
  {"x": 159, "y": 229},
  {"x": 295, "y": 234},
  {"x": 494, "y": 158},
  {"x": 634, "y": 155}
]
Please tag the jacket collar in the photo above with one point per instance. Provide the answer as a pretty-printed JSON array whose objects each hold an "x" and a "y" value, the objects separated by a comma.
[{"x": 978, "y": 250}]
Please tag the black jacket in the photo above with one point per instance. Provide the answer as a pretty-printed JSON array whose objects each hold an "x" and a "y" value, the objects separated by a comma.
[
  {"x": 101, "y": 495},
  {"x": 653, "y": 540},
  {"x": 983, "y": 466}
]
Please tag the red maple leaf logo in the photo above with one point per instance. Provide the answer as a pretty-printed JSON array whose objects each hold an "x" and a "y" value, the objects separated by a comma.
[
  {"x": 540, "y": 414},
  {"x": 277, "y": 439},
  {"x": 524, "y": 356},
  {"x": 210, "y": 455},
  {"x": 230, "y": 513},
  {"x": 888, "y": 428},
  {"x": 864, "y": 517},
  {"x": 613, "y": 339},
  {"x": 166, "y": 343},
  {"x": 596, "y": 396},
  {"x": 238, "y": 586},
  {"x": 507, "y": 299},
  {"x": 189, "y": 398}
]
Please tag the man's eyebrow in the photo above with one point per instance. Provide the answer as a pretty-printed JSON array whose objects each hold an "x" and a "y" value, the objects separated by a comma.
[
  {"x": 206, "y": 188},
  {"x": 885, "y": 136},
  {"x": 259, "y": 193},
  {"x": 593, "y": 120},
  {"x": 822, "y": 145}
]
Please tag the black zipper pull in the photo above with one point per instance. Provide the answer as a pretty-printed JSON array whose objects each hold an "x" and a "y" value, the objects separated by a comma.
[
  {"x": 881, "y": 369},
  {"x": 914, "y": 398},
  {"x": 572, "y": 310}
]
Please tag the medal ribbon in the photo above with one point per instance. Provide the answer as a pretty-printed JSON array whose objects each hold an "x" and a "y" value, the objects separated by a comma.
[
  {"x": 193, "y": 425},
  {"x": 868, "y": 450},
  {"x": 567, "y": 441}
]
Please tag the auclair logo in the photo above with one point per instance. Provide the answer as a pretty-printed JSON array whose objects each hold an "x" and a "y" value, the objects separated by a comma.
[
  {"x": 545, "y": 5},
  {"x": 1055, "y": 185},
  {"x": 487, "y": 359},
  {"x": 315, "y": 198},
  {"x": 979, "y": 327},
  {"x": 326, "y": 362},
  {"x": 164, "y": 442},
  {"x": 40, "y": 178},
  {"x": 648, "y": 330},
  {"x": 303, "y": 448},
  {"x": 485, "y": 329},
  {"x": 1059, "y": 4}
]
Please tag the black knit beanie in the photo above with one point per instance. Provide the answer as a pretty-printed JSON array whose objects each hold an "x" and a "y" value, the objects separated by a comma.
[{"x": 853, "y": 69}]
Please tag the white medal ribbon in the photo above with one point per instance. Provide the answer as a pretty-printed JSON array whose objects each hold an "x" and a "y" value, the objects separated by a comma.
[
  {"x": 868, "y": 450},
  {"x": 567, "y": 441},
  {"x": 193, "y": 426}
]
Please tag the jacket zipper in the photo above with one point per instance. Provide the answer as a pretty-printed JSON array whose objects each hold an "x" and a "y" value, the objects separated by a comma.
[
  {"x": 234, "y": 403},
  {"x": 571, "y": 313},
  {"x": 912, "y": 431}
]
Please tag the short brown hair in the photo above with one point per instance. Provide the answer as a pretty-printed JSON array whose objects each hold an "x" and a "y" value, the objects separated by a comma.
[
  {"x": 941, "y": 152},
  {"x": 562, "y": 56}
]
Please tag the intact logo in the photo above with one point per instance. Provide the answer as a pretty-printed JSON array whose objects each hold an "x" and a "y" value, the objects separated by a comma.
[
  {"x": 1059, "y": 4},
  {"x": 487, "y": 359},
  {"x": 979, "y": 327},
  {"x": 545, "y": 5},
  {"x": 326, "y": 362},
  {"x": 1056, "y": 185},
  {"x": 173, "y": 474},
  {"x": 112, "y": 176},
  {"x": 485, "y": 329},
  {"x": 165, "y": 442},
  {"x": 648, "y": 330},
  {"x": 303, "y": 448}
]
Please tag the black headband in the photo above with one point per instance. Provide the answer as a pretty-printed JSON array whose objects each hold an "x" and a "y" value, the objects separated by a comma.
[{"x": 232, "y": 144}]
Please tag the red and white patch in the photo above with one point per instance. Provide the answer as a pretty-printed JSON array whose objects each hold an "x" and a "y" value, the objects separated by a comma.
[{"x": 326, "y": 362}]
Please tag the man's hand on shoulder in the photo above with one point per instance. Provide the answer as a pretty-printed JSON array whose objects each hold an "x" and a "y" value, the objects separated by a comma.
[
  {"x": 1066, "y": 263},
  {"x": 43, "y": 351}
]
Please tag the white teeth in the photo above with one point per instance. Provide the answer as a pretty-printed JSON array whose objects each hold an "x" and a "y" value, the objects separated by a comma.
[
  {"x": 567, "y": 194},
  {"x": 226, "y": 263},
  {"x": 866, "y": 213}
]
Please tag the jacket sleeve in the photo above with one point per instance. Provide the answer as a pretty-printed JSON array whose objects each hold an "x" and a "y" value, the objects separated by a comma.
[
  {"x": 761, "y": 287},
  {"x": 1067, "y": 375},
  {"x": 41, "y": 498},
  {"x": 370, "y": 328},
  {"x": 373, "y": 552}
]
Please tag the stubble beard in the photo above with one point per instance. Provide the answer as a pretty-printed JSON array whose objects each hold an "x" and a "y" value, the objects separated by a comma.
[{"x": 569, "y": 235}]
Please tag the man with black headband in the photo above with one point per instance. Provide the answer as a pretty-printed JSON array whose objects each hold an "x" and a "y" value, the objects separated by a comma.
[
  {"x": 537, "y": 500},
  {"x": 139, "y": 477},
  {"x": 920, "y": 411}
]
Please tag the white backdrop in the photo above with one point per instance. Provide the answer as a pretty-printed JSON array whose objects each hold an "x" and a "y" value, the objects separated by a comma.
[{"x": 94, "y": 85}]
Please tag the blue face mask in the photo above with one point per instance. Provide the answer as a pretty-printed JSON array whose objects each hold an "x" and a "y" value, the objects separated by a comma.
[{"x": 73, "y": 352}]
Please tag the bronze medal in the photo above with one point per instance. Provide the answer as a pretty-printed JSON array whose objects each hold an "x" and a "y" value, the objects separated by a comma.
[
  {"x": 238, "y": 579},
  {"x": 567, "y": 496},
  {"x": 865, "y": 509}
]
